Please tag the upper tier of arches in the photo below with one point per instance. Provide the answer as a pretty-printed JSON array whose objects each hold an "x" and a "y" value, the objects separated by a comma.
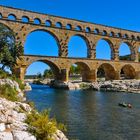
[{"x": 65, "y": 23}]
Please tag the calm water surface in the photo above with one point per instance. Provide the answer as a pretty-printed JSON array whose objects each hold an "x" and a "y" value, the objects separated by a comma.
[{"x": 91, "y": 115}]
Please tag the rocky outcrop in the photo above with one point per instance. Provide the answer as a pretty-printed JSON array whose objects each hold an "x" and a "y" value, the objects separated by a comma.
[
  {"x": 12, "y": 117},
  {"x": 27, "y": 87},
  {"x": 118, "y": 86}
]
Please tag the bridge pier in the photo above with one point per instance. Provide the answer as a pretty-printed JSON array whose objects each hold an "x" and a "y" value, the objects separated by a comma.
[{"x": 89, "y": 76}]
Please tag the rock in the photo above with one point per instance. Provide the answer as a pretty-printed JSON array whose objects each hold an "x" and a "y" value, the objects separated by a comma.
[
  {"x": 22, "y": 135},
  {"x": 6, "y": 136},
  {"x": 2, "y": 127},
  {"x": 27, "y": 87},
  {"x": 24, "y": 106}
]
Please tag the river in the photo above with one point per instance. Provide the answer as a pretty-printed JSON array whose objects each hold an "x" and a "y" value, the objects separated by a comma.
[{"x": 90, "y": 115}]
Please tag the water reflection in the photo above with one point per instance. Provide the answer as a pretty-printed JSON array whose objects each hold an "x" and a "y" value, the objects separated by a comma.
[{"x": 91, "y": 115}]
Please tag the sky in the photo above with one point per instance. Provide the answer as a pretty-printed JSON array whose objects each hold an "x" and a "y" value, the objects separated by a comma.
[{"x": 118, "y": 13}]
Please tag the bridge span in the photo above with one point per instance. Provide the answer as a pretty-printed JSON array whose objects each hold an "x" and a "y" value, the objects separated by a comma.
[
  {"x": 23, "y": 22},
  {"x": 89, "y": 67}
]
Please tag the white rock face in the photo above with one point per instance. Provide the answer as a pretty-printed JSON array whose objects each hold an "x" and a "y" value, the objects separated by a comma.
[
  {"x": 2, "y": 127},
  {"x": 27, "y": 87},
  {"x": 22, "y": 135},
  {"x": 6, "y": 136}
]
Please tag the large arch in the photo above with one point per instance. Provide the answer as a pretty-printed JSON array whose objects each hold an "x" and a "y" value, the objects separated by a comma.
[
  {"x": 104, "y": 49},
  {"x": 41, "y": 42},
  {"x": 108, "y": 71},
  {"x": 127, "y": 72},
  {"x": 83, "y": 72},
  {"x": 126, "y": 51},
  {"x": 55, "y": 68},
  {"x": 78, "y": 46}
]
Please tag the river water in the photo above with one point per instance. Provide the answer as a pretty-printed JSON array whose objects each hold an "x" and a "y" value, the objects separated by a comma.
[{"x": 90, "y": 115}]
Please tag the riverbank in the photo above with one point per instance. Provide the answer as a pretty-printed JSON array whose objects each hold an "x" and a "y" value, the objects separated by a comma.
[
  {"x": 132, "y": 86},
  {"x": 16, "y": 116}
]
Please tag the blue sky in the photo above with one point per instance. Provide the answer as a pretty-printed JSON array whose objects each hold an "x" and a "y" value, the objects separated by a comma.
[{"x": 117, "y": 13}]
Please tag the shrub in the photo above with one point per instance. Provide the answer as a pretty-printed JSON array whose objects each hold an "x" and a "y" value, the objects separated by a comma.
[
  {"x": 42, "y": 126},
  {"x": 6, "y": 91}
]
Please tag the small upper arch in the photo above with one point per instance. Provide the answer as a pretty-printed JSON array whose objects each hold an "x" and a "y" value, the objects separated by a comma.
[
  {"x": 58, "y": 25},
  {"x": 78, "y": 28},
  {"x": 12, "y": 17},
  {"x": 37, "y": 21},
  {"x": 69, "y": 26},
  {"x": 25, "y": 19},
  {"x": 48, "y": 23}
]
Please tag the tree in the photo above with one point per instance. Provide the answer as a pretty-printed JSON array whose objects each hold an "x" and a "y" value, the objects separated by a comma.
[
  {"x": 9, "y": 50},
  {"x": 48, "y": 73}
]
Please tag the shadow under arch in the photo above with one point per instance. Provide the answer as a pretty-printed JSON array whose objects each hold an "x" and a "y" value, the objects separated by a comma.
[
  {"x": 83, "y": 72},
  {"x": 51, "y": 34},
  {"x": 106, "y": 71},
  {"x": 130, "y": 56},
  {"x": 127, "y": 72},
  {"x": 85, "y": 42},
  {"x": 54, "y": 67},
  {"x": 110, "y": 44}
]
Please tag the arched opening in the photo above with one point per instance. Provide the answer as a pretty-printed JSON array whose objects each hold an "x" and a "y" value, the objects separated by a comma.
[
  {"x": 125, "y": 52},
  {"x": 119, "y": 35},
  {"x": 0, "y": 15},
  {"x": 112, "y": 34},
  {"x": 106, "y": 72},
  {"x": 48, "y": 23},
  {"x": 88, "y": 29},
  {"x": 127, "y": 72},
  {"x": 104, "y": 32},
  {"x": 96, "y": 31},
  {"x": 41, "y": 42},
  {"x": 42, "y": 70},
  {"x": 78, "y": 28},
  {"x": 77, "y": 46},
  {"x": 11, "y": 17},
  {"x": 25, "y": 19},
  {"x": 37, "y": 21},
  {"x": 139, "y": 54},
  {"x": 68, "y": 26},
  {"x": 58, "y": 25},
  {"x": 104, "y": 50},
  {"x": 78, "y": 72}
]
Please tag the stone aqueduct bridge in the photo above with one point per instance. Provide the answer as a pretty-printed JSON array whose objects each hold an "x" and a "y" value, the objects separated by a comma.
[{"x": 24, "y": 22}]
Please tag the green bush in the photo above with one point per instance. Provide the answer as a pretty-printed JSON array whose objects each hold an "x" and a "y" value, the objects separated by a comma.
[
  {"x": 6, "y": 91},
  {"x": 42, "y": 126},
  {"x": 4, "y": 75}
]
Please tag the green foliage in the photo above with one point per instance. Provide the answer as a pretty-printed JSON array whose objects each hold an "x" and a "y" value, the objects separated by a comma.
[
  {"x": 125, "y": 57},
  {"x": 41, "y": 125},
  {"x": 9, "y": 50},
  {"x": 4, "y": 75},
  {"x": 75, "y": 69},
  {"x": 6, "y": 91},
  {"x": 48, "y": 73}
]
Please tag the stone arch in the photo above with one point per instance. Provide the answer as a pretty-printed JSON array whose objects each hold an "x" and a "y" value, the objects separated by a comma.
[
  {"x": 110, "y": 44},
  {"x": 69, "y": 26},
  {"x": 88, "y": 30},
  {"x": 25, "y": 19},
  {"x": 128, "y": 72},
  {"x": 55, "y": 68},
  {"x": 12, "y": 17},
  {"x": 48, "y": 23},
  {"x": 84, "y": 70},
  {"x": 1, "y": 15},
  {"x": 109, "y": 71},
  {"x": 86, "y": 41},
  {"x": 58, "y": 25},
  {"x": 50, "y": 33},
  {"x": 37, "y": 21},
  {"x": 96, "y": 31},
  {"x": 78, "y": 28},
  {"x": 131, "y": 56}
]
